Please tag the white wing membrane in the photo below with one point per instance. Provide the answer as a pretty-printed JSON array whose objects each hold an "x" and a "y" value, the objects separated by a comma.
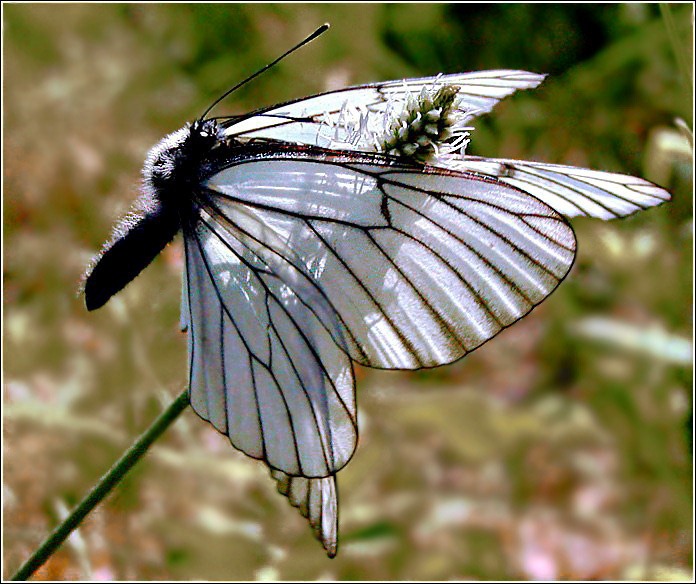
[
  {"x": 403, "y": 268},
  {"x": 317, "y": 500},
  {"x": 325, "y": 119},
  {"x": 262, "y": 369},
  {"x": 570, "y": 190}
]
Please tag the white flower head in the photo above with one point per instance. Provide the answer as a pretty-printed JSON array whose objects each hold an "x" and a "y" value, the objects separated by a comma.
[
  {"x": 420, "y": 127},
  {"x": 425, "y": 126}
]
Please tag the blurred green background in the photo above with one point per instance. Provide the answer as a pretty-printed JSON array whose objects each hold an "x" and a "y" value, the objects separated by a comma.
[{"x": 561, "y": 449}]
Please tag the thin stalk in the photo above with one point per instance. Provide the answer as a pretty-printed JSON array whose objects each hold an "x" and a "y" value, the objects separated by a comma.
[{"x": 103, "y": 487}]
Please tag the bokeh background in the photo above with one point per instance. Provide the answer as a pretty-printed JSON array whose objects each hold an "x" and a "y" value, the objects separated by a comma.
[{"x": 561, "y": 449}]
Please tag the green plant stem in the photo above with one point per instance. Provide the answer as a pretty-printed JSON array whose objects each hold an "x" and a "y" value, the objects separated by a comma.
[{"x": 103, "y": 487}]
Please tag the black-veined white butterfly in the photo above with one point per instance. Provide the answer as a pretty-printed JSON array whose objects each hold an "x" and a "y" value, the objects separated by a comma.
[{"x": 347, "y": 226}]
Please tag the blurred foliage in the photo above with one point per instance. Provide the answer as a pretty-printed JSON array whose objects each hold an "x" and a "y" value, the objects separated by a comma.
[{"x": 550, "y": 453}]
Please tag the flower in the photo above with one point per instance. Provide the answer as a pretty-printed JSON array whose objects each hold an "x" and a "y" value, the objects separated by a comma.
[
  {"x": 427, "y": 126},
  {"x": 422, "y": 127}
]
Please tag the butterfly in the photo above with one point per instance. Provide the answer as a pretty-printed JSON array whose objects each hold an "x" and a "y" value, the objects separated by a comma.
[{"x": 348, "y": 226}]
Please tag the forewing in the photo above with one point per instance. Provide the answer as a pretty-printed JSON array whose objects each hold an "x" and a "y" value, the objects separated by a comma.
[
  {"x": 404, "y": 267},
  {"x": 263, "y": 369},
  {"x": 317, "y": 500},
  {"x": 570, "y": 190},
  {"x": 344, "y": 116}
]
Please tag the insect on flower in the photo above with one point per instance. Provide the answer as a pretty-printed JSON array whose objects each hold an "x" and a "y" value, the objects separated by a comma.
[{"x": 347, "y": 226}]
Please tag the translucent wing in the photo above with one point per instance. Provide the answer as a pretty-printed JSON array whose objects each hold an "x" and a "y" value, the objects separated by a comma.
[
  {"x": 570, "y": 190},
  {"x": 263, "y": 370},
  {"x": 317, "y": 500},
  {"x": 346, "y": 116},
  {"x": 403, "y": 267}
]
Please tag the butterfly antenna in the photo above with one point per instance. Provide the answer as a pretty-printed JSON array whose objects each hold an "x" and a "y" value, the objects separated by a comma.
[{"x": 322, "y": 29}]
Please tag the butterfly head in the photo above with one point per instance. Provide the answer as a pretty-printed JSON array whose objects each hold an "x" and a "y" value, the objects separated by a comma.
[
  {"x": 174, "y": 162},
  {"x": 204, "y": 134}
]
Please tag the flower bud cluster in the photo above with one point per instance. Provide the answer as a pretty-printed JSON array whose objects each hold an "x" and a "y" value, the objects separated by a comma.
[{"x": 424, "y": 124}]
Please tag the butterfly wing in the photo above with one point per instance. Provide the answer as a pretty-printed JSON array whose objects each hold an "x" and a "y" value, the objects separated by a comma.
[
  {"x": 570, "y": 190},
  {"x": 414, "y": 266},
  {"x": 262, "y": 370},
  {"x": 343, "y": 116},
  {"x": 268, "y": 390},
  {"x": 317, "y": 501}
]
